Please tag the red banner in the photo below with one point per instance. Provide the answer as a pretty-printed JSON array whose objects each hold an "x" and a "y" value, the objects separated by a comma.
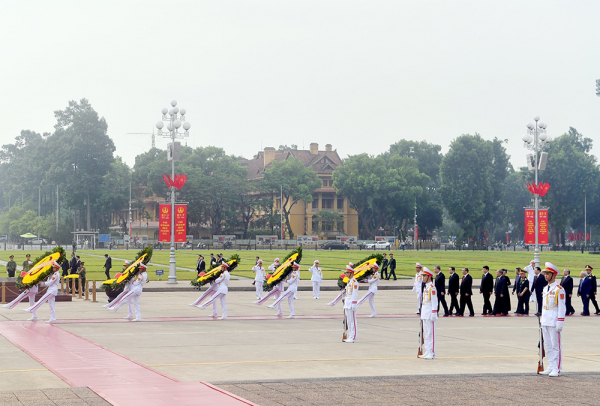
[
  {"x": 542, "y": 226},
  {"x": 164, "y": 223},
  {"x": 180, "y": 222},
  {"x": 529, "y": 226}
]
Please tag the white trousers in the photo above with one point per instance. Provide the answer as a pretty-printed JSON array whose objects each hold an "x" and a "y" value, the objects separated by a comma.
[
  {"x": 31, "y": 296},
  {"x": 419, "y": 300},
  {"x": 351, "y": 320},
  {"x": 213, "y": 300},
  {"x": 429, "y": 336},
  {"x": 337, "y": 298},
  {"x": 316, "y": 289},
  {"x": 18, "y": 299},
  {"x": 136, "y": 304},
  {"x": 48, "y": 297},
  {"x": 371, "y": 297},
  {"x": 259, "y": 289},
  {"x": 553, "y": 347},
  {"x": 289, "y": 295}
]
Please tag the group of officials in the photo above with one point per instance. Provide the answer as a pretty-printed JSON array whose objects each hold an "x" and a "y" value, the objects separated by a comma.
[{"x": 528, "y": 288}]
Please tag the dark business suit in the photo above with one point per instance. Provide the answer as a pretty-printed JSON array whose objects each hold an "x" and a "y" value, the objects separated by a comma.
[
  {"x": 392, "y": 267},
  {"x": 567, "y": 283},
  {"x": 440, "y": 286},
  {"x": 107, "y": 266},
  {"x": 73, "y": 269},
  {"x": 487, "y": 288},
  {"x": 584, "y": 290},
  {"x": 453, "y": 288},
  {"x": 594, "y": 290},
  {"x": 523, "y": 305},
  {"x": 516, "y": 286},
  {"x": 200, "y": 266},
  {"x": 500, "y": 290},
  {"x": 65, "y": 268},
  {"x": 539, "y": 283},
  {"x": 384, "y": 268},
  {"x": 466, "y": 292},
  {"x": 507, "y": 297}
]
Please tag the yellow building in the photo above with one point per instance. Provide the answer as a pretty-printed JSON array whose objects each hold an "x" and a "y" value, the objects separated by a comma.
[{"x": 324, "y": 199}]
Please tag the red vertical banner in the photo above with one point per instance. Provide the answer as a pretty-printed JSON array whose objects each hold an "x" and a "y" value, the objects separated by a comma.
[
  {"x": 542, "y": 226},
  {"x": 180, "y": 222},
  {"x": 164, "y": 223},
  {"x": 529, "y": 226},
  {"x": 416, "y": 233}
]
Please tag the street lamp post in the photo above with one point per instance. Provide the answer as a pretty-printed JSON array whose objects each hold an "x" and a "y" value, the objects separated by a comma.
[
  {"x": 175, "y": 118},
  {"x": 536, "y": 140}
]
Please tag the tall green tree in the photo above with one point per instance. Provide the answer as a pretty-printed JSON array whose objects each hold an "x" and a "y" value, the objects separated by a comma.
[{"x": 297, "y": 182}]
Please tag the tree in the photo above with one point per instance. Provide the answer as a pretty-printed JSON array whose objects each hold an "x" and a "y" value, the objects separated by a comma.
[
  {"x": 428, "y": 156},
  {"x": 298, "y": 183},
  {"x": 114, "y": 192}
]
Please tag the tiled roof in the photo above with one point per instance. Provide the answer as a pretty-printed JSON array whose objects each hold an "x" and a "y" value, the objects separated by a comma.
[{"x": 324, "y": 162}]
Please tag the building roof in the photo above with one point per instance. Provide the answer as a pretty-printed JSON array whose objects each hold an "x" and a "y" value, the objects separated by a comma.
[{"x": 323, "y": 162}]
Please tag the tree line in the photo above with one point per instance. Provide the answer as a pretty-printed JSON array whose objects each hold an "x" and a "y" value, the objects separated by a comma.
[{"x": 471, "y": 192}]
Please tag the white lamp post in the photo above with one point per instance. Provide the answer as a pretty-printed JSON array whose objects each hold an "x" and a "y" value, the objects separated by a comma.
[
  {"x": 175, "y": 118},
  {"x": 536, "y": 140}
]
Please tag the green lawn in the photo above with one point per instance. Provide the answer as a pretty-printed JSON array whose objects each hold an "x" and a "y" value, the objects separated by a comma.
[{"x": 333, "y": 262}]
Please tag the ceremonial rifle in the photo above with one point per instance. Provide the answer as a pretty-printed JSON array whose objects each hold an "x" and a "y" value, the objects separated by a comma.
[
  {"x": 345, "y": 323},
  {"x": 421, "y": 338},
  {"x": 541, "y": 348}
]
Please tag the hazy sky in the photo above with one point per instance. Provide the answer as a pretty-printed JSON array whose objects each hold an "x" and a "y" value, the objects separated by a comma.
[{"x": 357, "y": 74}]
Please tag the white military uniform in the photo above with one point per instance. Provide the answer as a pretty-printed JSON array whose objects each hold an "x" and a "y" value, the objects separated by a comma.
[
  {"x": 52, "y": 284},
  {"x": 417, "y": 286},
  {"x": 316, "y": 279},
  {"x": 370, "y": 295},
  {"x": 530, "y": 277},
  {"x": 429, "y": 315},
  {"x": 292, "y": 281},
  {"x": 29, "y": 293},
  {"x": 553, "y": 320},
  {"x": 350, "y": 306},
  {"x": 212, "y": 288},
  {"x": 259, "y": 278},
  {"x": 221, "y": 294},
  {"x": 132, "y": 292}
]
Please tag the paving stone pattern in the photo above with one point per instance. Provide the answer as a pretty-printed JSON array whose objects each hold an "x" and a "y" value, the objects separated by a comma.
[
  {"x": 501, "y": 389},
  {"x": 52, "y": 397}
]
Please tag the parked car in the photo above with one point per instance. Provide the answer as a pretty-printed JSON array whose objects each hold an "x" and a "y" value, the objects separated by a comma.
[
  {"x": 335, "y": 245},
  {"x": 379, "y": 245},
  {"x": 38, "y": 241}
]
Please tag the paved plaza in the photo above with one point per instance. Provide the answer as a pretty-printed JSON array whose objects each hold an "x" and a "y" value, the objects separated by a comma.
[{"x": 178, "y": 354}]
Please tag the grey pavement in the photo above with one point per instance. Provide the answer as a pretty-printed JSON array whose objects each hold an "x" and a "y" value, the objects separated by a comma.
[{"x": 52, "y": 397}]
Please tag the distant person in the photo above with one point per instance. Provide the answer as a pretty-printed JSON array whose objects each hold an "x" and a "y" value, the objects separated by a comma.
[
  {"x": 466, "y": 292},
  {"x": 82, "y": 272},
  {"x": 107, "y": 265},
  {"x": 594, "y": 287},
  {"x": 27, "y": 263},
  {"x": 65, "y": 268},
  {"x": 486, "y": 289},
  {"x": 213, "y": 260},
  {"x": 440, "y": 287},
  {"x": 259, "y": 278},
  {"x": 500, "y": 290},
  {"x": 584, "y": 292},
  {"x": 507, "y": 297},
  {"x": 523, "y": 294},
  {"x": 384, "y": 267},
  {"x": 453, "y": 290},
  {"x": 392, "y": 266},
  {"x": 539, "y": 283},
  {"x": 200, "y": 265},
  {"x": 567, "y": 283},
  {"x": 316, "y": 278},
  {"x": 11, "y": 266}
]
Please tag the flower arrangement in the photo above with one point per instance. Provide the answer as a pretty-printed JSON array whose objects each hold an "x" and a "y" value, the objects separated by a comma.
[
  {"x": 41, "y": 269},
  {"x": 362, "y": 270},
  {"x": 283, "y": 270},
  {"x": 216, "y": 271},
  {"x": 143, "y": 257}
]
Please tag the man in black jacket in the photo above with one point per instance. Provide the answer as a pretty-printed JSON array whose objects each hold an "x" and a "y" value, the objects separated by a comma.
[
  {"x": 440, "y": 286},
  {"x": 466, "y": 292},
  {"x": 453, "y": 288},
  {"x": 65, "y": 268},
  {"x": 107, "y": 265},
  {"x": 200, "y": 265},
  {"x": 594, "y": 291},
  {"x": 523, "y": 293},
  {"x": 392, "y": 267},
  {"x": 539, "y": 283},
  {"x": 567, "y": 283},
  {"x": 501, "y": 291},
  {"x": 384, "y": 267},
  {"x": 486, "y": 289}
]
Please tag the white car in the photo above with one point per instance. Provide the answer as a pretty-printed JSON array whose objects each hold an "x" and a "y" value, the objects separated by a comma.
[{"x": 379, "y": 245}]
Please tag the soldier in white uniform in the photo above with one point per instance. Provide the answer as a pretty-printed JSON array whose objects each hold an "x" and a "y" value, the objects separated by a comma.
[
  {"x": 351, "y": 304},
  {"x": 133, "y": 290},
  {"x": 553, "y": 319},
  {"x": 429, "y": 314},
  {"x": 530, "y": 269},
  {"x": 418, "y": 286},
  {"x": 29, "y": 293},
  {"x": 373, "y": 281},
  {"x": 316, "y": 278},
  {"x": 292, "y": 281},
  {"x": 342, "y": 293},
  {"x": 52, "y": 284},
  {"x": 223, "y": 283},
  {"x": 259, "y": 278}
]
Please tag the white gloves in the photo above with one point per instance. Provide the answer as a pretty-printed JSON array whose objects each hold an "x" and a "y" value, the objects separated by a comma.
[
  {"x": 559, "y": 329},
  {"x": 354, "y": 306},
  {"x": 434, "y": 316}
]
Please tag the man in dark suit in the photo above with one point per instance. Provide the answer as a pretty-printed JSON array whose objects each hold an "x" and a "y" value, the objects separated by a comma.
[
  {"x": 523, "y": 292},
  {"x": 73, "y": 268},
  {"x": 453, "y": 289},
  {"x": 507, "y": 297},
  {"x": 539, "y": 283},
  {"x": 440, "y": 286},
  {"x": 384, "y": 267},
  {"x": 500, "y": 290},
  {"x": 594, "y": 287},
  {"x": 107, "y": 265},
  {"x": 567, "y": 283},
  {"x": 486, "y": 289},
  {"x": 392, "y": 267},
  {"x": 200, "y": 265},
  {"x": 466, "y": 292},
  {"x": 517, "y": 278},
  {"x": 65, "y": 268},
  {"x": 584, "y": 292},
  {"x": 213, "y": 261}
]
